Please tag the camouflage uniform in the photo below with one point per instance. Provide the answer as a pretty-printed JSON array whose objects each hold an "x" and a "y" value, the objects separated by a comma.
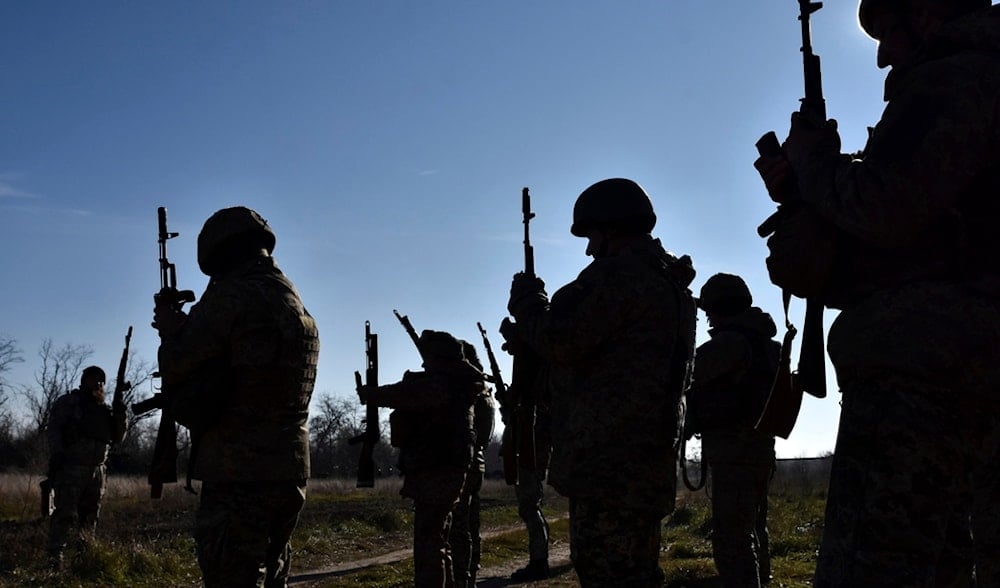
[
  {"x": 433, "y": 427},
  {"x": 618, "y": 340},
  {"x": 80, "y": 432},
  {"x": 464, "y": 537},
  {"x": 732, "y": 377},
  {"x": 530, "y": 492},
  {"x": 245, "y": 358},
  {"x": 917, "y": 343}
]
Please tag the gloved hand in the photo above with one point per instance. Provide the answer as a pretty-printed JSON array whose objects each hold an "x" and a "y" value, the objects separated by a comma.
[
  {"x": 808, "y": 142},
  {"x": 167, "y": 319},
  {"x": 527, "y": 295},
  {"x": 364, "y": 393},
  {"x": 512, "y": 340},
  {"x": 775, "y": 171}
]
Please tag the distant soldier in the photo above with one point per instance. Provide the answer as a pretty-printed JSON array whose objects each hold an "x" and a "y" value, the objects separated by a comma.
[
  {"x": 433, "y": 427},
  {"x": 619, "y": 341},
  {"x": 80, "y": 432},
  {"x": 240, "y": 369},
  {"x": 464, "y": 538},
  {"x": 916, "y": 275},
  {"x": 733, "y": 375}
]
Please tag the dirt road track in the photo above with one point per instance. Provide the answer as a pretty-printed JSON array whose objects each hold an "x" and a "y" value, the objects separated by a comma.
[{"x": 492, "y": 577}]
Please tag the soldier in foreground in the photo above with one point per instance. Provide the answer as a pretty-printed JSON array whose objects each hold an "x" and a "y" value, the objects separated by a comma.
[
  {"x": 619, "y": 341},
  {"x": 240, "y": 370},
  {"x": 432, "y": 425},
  {"x": 80, "y": 432},
  {"x": 916, "y": 275},
  {"x": 464, "y": 537},
  {"x": 732, "y": 379}
]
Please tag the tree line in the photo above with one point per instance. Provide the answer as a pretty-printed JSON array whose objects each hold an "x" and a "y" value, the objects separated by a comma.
[{"x": 23, "y": 444}]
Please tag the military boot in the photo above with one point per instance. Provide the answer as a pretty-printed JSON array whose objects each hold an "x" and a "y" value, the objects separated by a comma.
[{"x": 537, "y": 569}]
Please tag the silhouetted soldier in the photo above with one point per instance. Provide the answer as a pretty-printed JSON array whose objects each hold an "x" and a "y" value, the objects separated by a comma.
[
  {"x": 619, "y": 341},
  {"x": 733, "y": 375},
  {"x": 916, "y": 275}
]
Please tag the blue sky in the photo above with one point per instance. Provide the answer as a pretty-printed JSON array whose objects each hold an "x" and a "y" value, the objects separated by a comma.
[{"x": 387, "y": 144}]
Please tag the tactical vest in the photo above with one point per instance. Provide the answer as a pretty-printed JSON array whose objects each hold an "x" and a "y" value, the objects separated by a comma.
[{"x": 440, "y": 436}]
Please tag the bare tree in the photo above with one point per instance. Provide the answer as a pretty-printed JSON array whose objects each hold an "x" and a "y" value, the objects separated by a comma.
[
  {"x": 59, "y": 373},
  {"x": 9, "y": 354}
]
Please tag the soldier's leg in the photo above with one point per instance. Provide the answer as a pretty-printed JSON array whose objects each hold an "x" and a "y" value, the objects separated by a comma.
[
  {"x": 287, "y": 500},
  {"x": 613, "y": 547},
  {"x": 434, "y": 496},
  {"x": 460, "y": 536},
  {"x": 986, "y": 508},
  {"x": 735, "y": 501},
  {"x": 231, "y": 534},
  {"x": 68, "y": 487},
  {"x": 898, "y": 473},
  {"x": 91, "y": 496},
  {"x": 475, "y": 483},
  {"x": 530, "y": 493},
  {"x": 763, "y": 544}
]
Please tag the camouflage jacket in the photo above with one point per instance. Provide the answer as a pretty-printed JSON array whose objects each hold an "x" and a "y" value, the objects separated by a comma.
[
  {"x": 920, "y": 205},
  {"x": 619, "y": 341},
  {"x": 433, "y": 421},
  {"x": 81, "y": 430},
  {"x": 247, "y": 353},
  {"x": 733, "y": 373},
  {"x": 917, "y": 216}
]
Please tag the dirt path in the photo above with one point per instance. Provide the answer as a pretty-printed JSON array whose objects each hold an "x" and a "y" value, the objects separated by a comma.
[{"x": 492, "y": 577}]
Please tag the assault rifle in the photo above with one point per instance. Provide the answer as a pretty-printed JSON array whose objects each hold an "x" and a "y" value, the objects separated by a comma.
[
  {"x": 122, "y": 386},
  {"x": 370, "y": 437},
  {"x": 506, "y": 408},
  {"x": 518, "y": 442},
  {"x": 408, "y": 326},
  {"x": 163, "y": 470},
  {"x": 782, "y": 408}
]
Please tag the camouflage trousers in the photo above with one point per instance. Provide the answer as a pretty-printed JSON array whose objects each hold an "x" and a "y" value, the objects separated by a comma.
[
  {"x": 742, "y": 464},
  {"x": 78, "y": 494},
  {"x": 739, "y": 523},
  {"x": 435, "y": 492},
  {"x": 242, "y": 527},
  {"x": 612, "y": 546},
  {"x": 914, "y": 471},
  {"x": 530, "y": 494},
  {"x": 464, "y": 537}
]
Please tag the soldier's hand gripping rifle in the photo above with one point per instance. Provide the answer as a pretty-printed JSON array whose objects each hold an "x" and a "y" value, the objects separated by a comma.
[
  {"x": 370, "y": 437},
  {"x": 163, "y": 470},
  {"x": 782, "y": 407},
  {"x": 518, "y": 441}
]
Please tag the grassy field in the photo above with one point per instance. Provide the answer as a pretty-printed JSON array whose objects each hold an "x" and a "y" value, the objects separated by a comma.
[{"x": 142, "y": 542}]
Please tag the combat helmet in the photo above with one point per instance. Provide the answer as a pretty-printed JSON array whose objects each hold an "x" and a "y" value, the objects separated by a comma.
[
  {"x": 230, "y": 232},
  {"x": 615, "y": 203},
  {"x": 866, "y": 9},
  {"x": 725, "y": 295},
  {"x": 440, "y": 345}
]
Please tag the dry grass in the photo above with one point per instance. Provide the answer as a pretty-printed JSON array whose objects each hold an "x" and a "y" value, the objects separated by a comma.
[{"x": 142, "y": 542}]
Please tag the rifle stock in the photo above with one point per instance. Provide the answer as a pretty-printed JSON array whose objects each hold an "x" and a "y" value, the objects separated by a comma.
[{"x": 783, "y": 403}]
